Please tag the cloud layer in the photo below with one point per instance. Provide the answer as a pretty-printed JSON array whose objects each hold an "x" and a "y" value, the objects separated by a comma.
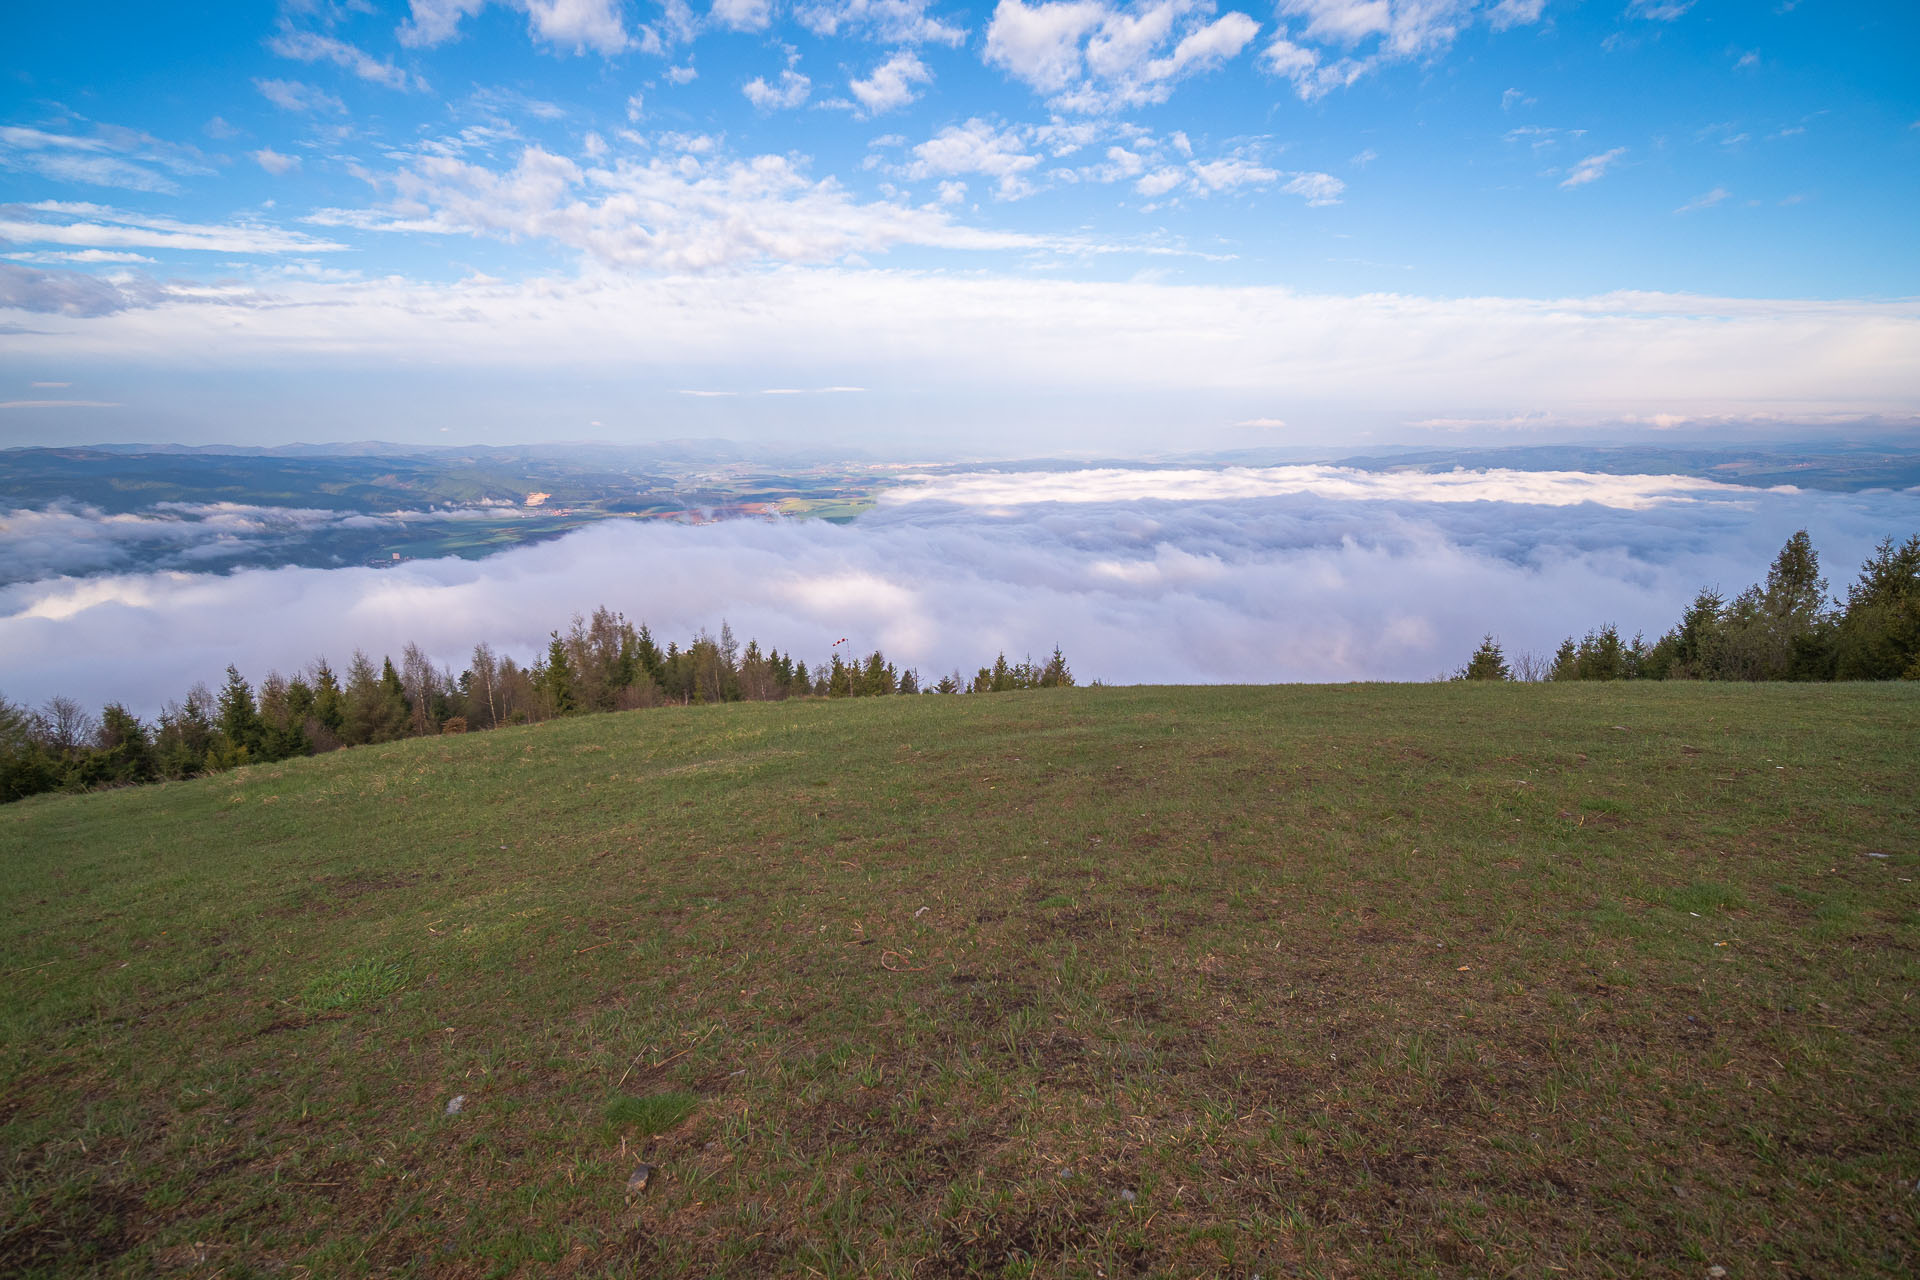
[
  {"x": 1652, "y": 357},
  {"x": 1302, "y": 586}
]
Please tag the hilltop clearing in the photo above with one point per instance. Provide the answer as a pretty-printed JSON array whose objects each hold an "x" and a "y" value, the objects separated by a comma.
[{"x": 1462, "y": 979}]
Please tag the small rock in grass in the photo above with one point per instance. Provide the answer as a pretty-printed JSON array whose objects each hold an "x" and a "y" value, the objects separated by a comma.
[
  {"x": 637, "y": 1181},
  {"x": 1063, "y": 1173},
  {"x": 1872, "y": 854},
  {"x": 1127, "y": 1196},
  {"x": 1716, "y": 1273},
  {"x": 456, "y": 1104}
]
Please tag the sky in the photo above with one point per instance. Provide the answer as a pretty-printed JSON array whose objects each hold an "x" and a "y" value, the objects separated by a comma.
[{"x": 959, "y": 230}]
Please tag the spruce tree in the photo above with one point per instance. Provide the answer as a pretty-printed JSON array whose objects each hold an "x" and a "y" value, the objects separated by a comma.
[
  {"x": 1487, "y": 662},
  {"x": 557, "y": 679}
]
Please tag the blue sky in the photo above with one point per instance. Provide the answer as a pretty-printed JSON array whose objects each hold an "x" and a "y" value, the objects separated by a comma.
[{"x": 1080, "y": 226}]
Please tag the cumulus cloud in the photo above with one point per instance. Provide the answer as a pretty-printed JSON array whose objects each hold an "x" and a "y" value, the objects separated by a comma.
[
  {"x": 568, "y": 25},
  {"x": 1593, "y": 168},
  {"x": 742, "y": 15},
  {"x": 1290, "y": 587},
  {"x": 1091, "y": 57},
  {"x": 981, "y": 147},
  {"x": 1323, "y": 45},
  {"x": 687, "y": 212},
  {"x": 105, "y": 156},
  {"x": 1234, "y": 173},
  {"x": 1659, "y": 10},
  {"x": 273, "y": 162},
  {"x": 791, "y": 90},
  {"x": 894, "y": 22},
  {"x": 890, "y": 84}
]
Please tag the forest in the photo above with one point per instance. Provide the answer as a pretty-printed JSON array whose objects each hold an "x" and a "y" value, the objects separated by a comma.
[
  {"x": 600, "y": 663},
  {"x": 1785, "y": 628}
]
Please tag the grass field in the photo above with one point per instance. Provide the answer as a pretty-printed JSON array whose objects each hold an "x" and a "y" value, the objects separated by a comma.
[{"x": 1364, "y": 981}]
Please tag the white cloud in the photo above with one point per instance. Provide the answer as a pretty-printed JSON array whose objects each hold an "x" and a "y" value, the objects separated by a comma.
[
  {"x": 1706, "y": 201},
  {"x": 568, "y": 25},
  {"x": 682, "y": 75},
  {"x": 891, "y": 83},
  {"x": 742, "y": 15},
  {"x": 1135, "y": 355},
  {"x": 97, "y": 226},
  {"x": 1338, "y": 41},
  {"x": 108, "y": 156},
  {"x": 84, "y": 256},
  {"x": 1515, "y": 13},
  {"x": 1093, "y": 58},
  {"x": 676, "y": 212},
  {"x": 1232, "y": 173},
  {"x": 790, "y": 92},
  {"x": 293, "y": 95},
  {"x": 1593, "y": 168},
  {"x": 1659, "y": 10},
  {"x": 1515, "y": 98},
  {"x": 1227, "y": 174},
  {"x": 1315, "y": 188},
  {"x": 1534, "y": 488},
  {"x": 1294, "y": 586},
  {"x": 893, "y": 22},
  {"x": 60, "y": 404},
  {"x": 977, "y": 147},
  {"x": 273, "y": 162},
  {"x": 1160, "y": 182},
  {"x": 308, "y": 46}
]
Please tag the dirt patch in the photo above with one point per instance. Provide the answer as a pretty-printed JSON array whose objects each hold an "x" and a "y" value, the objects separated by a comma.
[{"x": 68, "y": 1232}]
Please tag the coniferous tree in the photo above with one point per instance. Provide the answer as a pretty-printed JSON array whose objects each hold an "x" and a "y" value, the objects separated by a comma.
[
  {"x": 328, "y": 722},
  {"x": 557, "y": 679},
  {"x": 1878, "y": 635},
  {"x": 396, "y": 714},
  {"x": 239, "y": 723},
  {"x": 1056, "y": 675},
  {"x": 125, "y": 750},
  {"x": 1487, "y": 663}
]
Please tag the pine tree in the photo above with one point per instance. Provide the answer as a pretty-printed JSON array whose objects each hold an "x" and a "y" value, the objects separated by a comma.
[
  {"x": 557, "y": 679},
  {"x": 239, "y": 718},
  {"x": 1487, "y": 663},
  {"x": 1878, "y": 636},
  {"x": 1056, "y": 675}
]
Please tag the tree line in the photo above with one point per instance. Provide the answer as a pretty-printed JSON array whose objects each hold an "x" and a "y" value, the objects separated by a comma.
[
  {"x": 1785, "y": 628},
  {"x": 600, "y": 663}
]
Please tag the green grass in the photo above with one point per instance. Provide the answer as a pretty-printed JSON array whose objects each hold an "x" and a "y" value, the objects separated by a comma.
[
  {"x": 362, "y": 983},
  {"x": 655, "y": 1113},
  {"x": 1355, "y": 981}
]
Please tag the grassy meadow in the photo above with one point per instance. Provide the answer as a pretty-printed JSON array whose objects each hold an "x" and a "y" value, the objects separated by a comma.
[{"x": 1436, "y": 980}]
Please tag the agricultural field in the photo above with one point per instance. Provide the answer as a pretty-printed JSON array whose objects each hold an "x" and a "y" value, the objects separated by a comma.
[{"x": 1352, "y": 981}]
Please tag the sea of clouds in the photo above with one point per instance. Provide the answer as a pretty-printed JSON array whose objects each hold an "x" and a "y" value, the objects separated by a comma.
[{"x": 1223, "y": 575}]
